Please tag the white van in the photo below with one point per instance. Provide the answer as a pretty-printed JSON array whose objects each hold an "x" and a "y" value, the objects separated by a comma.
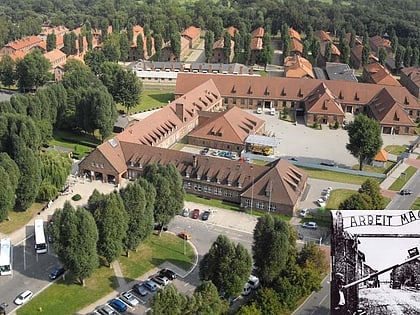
[{"x": 272, "y": 111}]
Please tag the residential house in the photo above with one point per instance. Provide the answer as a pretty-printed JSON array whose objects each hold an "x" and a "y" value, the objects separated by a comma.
[
  {"x": 218, "y": 54},
  {"x": 24, "y": 45},
  {"x": 410, "y": 78},
  {"x": 339, "y": 71},
  {"x": 296, "y": 45},
  {"x": 192, "y": 35},
  {"x": 325, "y": 38},
  {"x": 232, "y": 31},
  {"x": 250, "y": 92},
  {"x": 256, "y": 44},
  {"x": 226, "y": 130},
  {"x": 376, "y": 42},
  {"x": 134, "y": 52},
  {"x": 377, "y": 74},
  {"x": 298, "y": 67},
  {"x": 57, "y": 59}
]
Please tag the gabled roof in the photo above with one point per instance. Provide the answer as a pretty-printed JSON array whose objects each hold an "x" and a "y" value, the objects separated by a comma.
[
  {"x": 322, "y": 101},
  {"x": 413, "y": 73},
  {"x": 294, "y": 34},
  {"x": 296, "y": 45},
  {"x": 18, "y": 54},
  {"x": 377, "y": 41},
  {"x": 233, "y": 125},
  {"x": 256, "y": 43},
  {"x": 378, "y": 74},
  {"x": 162, "y": 123},
  {"x": 232, "y": 31},
  {"x": 111, "y": 151},
  {"x": 55, "y": 55},
  {"x": 387, "y": 110},
  {"x": 323, "y": 36},
  {"x": 259, "y": 32},
  {"x": 381, "y": 156},
  {"x": 282, "y": 184},
  {"x": 191, "y": 32},
  {"x": 298, "y": 67},
  {"x": 24, "y": 42}
]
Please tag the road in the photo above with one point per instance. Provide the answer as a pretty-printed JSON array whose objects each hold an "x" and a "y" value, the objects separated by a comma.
[
  {"x": 318, "y": 303},
  {"x": 405, "y": 202}
]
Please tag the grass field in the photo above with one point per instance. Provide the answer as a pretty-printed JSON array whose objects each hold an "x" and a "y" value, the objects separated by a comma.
[
  {"x": 395, "y": 149},
  {"x": 335, "y": 176},
  {"x": 67, "y": 297},
  {"x": 416, "y": 205},
  {"x": 80, "y": 144},
  {"x": 375, "y": 169},
  {"x": 212, "y": 202},
  {"x": 17, "y": 219},
  {"x": 150, "y": 100},
  {"x": 403, "y": 179}
]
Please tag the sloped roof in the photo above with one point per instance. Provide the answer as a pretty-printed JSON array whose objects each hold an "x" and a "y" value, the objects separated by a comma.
[
  {"x": 380, "y": 75},
  {"x": 259, "y": 32},
  {"x": 298, "y": 67},
  {"x": 413, "y": 73},
  {"x": 24, "y": 42},
  {"x": 323, "y": 36},
  {"x": 54, "y": 55},
  {"x": 381, "y": 156},
  {"x": 162, "y": 123},
  {"x": 387, "y": 110},
  {"x": 296, "y": 45},
  {"x": 283, "y": 183},
  {"x": 322, "y": 101},
  {"x": 294, "y": 34},
  {"x": 233, "y": 125},
  {"x": 112, "y": 152},
  {"x": 377, "y": 41},
  {"x": 18, "y": 54},
  {"x": 291, "y": 88},
  {"x": 256, "y": 43},
  {"x": 191, "y": 32},
  {"x": 232, "y": 31}
]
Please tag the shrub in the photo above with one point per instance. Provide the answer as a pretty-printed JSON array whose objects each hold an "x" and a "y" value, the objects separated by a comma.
[{"x": 76, "y": 197}]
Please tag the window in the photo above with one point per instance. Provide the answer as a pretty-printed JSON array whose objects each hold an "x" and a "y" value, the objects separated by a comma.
[
  {"x": 197, "y": 187},
  {"x": 228, "y": 193},
  {"x": 217, "y": 191},
  {"x": 272, "y": 208},
  {"x": 260, "y": 205},
  {"x": 248, "y": 203},
  {"x": 187, "y": 175},
  {"x": 229, "y": 183},
  {"x": 187, "y": 185},
  {"x": 234, "y": 100}
]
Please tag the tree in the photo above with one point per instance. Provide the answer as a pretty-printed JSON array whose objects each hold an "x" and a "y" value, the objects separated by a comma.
[
  {"x": 316, "y": 50},
  {"x": 168, "y": 184},
  {"x": 399, "y": 57},
  {"x": 249, "y": 309},
  {"x": 345, "y": 51},
  {"x": 227, "y": 49},
  {"x": 227, "y": 266},
  {"x": 365, "y": 55},
  {"x": 111, "y": 221},
  {"x": 247, "y": 48},
  {"x": 7, "y": 195},
  {"x": 94, "y": 59},
  {"x": 140, "y": 46},
  {"x": 80, "y": 43},
  {"x": 111, "y": 48},
  {"x": 208, "y": 44},
  {"x": 140, "y": 218},
  {"x": 207, "y": 301},
  {"x": 365, "y": 139},
  {"x": 11, "y": 169},
  {"x": 268, "y": 51},
  {"x": 89, "y": 40},
  {"x": 158, "y": 45},
  {"x": 382, "y": 55},
  {"x": 267, "y": 302},
  {"x": 354, "y": 202},
  {"x": 394, "y": 41},
  {"x": 372, "y": 189},
  {"x": 76, "y": 236},
  {"x": 415, "y": 61},
  {"x": 408, "y": 56},
  {"x": 149, "y": 45},
  {"x": 30, "y": 179},
  {"x": 169, "y": 302},
  {"x": 176, "y": 44},
  {"x": 51, "y": 42},
  {"x": 124, "y": 46},
  {"x": 32, "y": 71},
  {"x": 7, "y": 70},
  {"x": 327, "y": 53},
  {"x": 272, "y": 247}
]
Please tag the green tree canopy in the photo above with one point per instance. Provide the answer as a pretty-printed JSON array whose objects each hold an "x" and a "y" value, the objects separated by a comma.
[
  {"x": 168, "y": 301},
  {"x": 7, "y": 194},
  {"x": 354, "y": 202},
  {"x": 227, "y": 265},
  {"x": 208, "y": 44},
  {"x": 365, "y": 139},
  {"x": 371, "y": 188},
  {"x": 7, "y": 70},
  {"x": 32, "y": 71}
]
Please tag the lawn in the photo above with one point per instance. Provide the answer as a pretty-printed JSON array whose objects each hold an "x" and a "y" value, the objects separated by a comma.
[
  {"x": 81, "y": 144},
  {"x": 376, "y": 169},
  {"x": 337, "y": 196},
  {"x": 67, "y": 297},
  {"x": 150, "y": 100},
  {"x": 335, "y": 176},
  {"x": 212, "y": 202},
  {"x": 416, "y": 205},
  {"x": 403, "y": 179},
  {"x": 395, "y": 149},
  {"x": 17, "y": 219}
]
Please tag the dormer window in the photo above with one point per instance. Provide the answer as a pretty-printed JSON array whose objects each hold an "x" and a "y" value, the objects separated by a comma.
[
  {"x": 209, "y": 178},
  {"x": 198, "y": 177},
  {"x": 229, "y": 183},
  {"x": 131, "y": 163},
  {"x": 187, "y": 175},
  {"x": 239, "y": 185},
  {"x": 218, "y": 180}
]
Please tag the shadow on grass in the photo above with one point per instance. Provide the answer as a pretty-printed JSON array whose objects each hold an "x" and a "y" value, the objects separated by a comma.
[{"x": 162, "y": 97}]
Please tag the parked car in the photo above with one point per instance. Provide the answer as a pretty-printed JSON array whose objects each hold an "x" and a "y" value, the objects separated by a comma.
[
  {"x": 259, "y": 110},
  {"x": 247, "y": 289},
  {"x": 118, "y": 305},
  {"x": 321, "y": 202},
  {"x": 150, "y": 285},
  {"x": 184, "y": 235},
  {"x": 160, "y": 226},
  {"x": 129, "y": 298},
  {"x": 215, "y": 152},
  {"x": 328, "y": 163},
  {"x": 253, "y": 281},
  {"x": 196, "y": 213},
  {"x": 168, "y": 273},
  {"x": 324, "y": 197},
  {"x": 23, "y": 297},
  {"x": 303, "y": 212},
  {"x": 186, "y": 212},
  {"x": 162, "y": 280},
  {"x": 204, "y": 151},
  {"x": 405, "y": 192},
  {"x": 56, "y": 273},
  {"x": 106, "y": 310},
  {"x": 234, "y": 156},
  {"x": 222, "y": 153},
  {"x": 310, "y": 225},
  {"x": 140, "y": 289},
  {"x": 205, "y": 215}
]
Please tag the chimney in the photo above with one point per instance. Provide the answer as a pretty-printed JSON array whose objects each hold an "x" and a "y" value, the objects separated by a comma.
[
  {"x": 179, "y": 111},
  {"x": 194, "y": 161}
]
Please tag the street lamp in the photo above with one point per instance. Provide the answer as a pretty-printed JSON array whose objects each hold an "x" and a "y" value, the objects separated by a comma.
[{"x": 252, "y": 194}]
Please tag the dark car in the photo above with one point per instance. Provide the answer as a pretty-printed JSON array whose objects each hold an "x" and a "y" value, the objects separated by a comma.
[
  {"x": 168, "y": 273},
  {"x": 118, "y": 305},
  {"x": 204, "y": 151},
  {"x": 140, "y": 289},
  {"x": 56, "y": 273},
  {"x": 205, "y": 215},
  {"x": 406, "y": 192},
  {"x": 160, "y": 226}
]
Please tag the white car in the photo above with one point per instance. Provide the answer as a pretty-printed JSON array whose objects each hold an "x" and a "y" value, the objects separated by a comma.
[
  {"x": 310, "y": 225},
  {"x": 253, "y": 281},
  {"x": 259, "y": 110},
  {"x": 303, "y": 212},
  {"x": 129, "y": 298},
  {"x": 24, "y": 297},
  {"x": 247, "y": 289}
]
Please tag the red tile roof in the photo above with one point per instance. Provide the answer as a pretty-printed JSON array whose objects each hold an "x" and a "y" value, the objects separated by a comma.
[
  {"x": 323, "y": 36},
  {"x": 232, "y": 31},
  {"x": 294, "y": 34},
  {"x": 24, "y": 43},
  {"x": 56, "y": 57},
  {"x": 191, "y": 32},
  {"x": 256, "y": 43},
  {"x": 378, "y": 74},
  {"x": 413, "y": 73},
  {"x": 382, "y": 156},
  {"x": 296, "y": 45},
  {"x": 322, "y": 101},
  {"x": 233, "y": 126},
  {"x": 259, "y": 32},
  {"x": 298, "y": 67}
]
